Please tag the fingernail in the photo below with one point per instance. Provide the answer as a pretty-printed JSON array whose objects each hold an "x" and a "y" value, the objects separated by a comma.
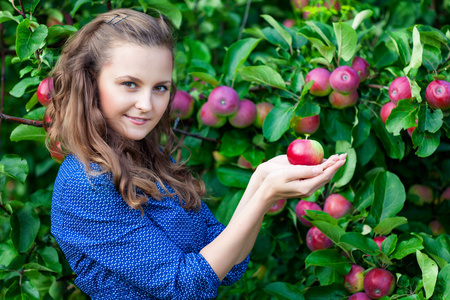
[
  {"x": 317, "y": 170},
  {"x": 343, "y": 156}
]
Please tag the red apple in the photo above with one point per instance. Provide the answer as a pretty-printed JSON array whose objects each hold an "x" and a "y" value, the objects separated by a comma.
[
  {"x": 337, "y": 206},
  {"x": 341, "y": 101},
  {"x": 344, "y": 80},
  {"x": 306, "y": 125},
  {"x": 424, "y": 192},
  {"x": 379, "y": 240},
  {"x": 332, "y": 3},
  {"x": 445, "y": 195},
  {"x": 243, "y": 163},
  {"x": 245, "y": 115},
  {"x": 436, "y": 227},
  {"x": 386, "y": 110},
  {"x": 207, "y": 117},
  {"x": 316, "y": 240},
  {"x": 44, "y": 91},
  {"x": 55, "y": 153},
  {"x": 321, "y": 86},
  {"x": 353, "y": 281},
  {"x": 300, "y": 210},
  {"x": 289, "y": 23},
  {"x": 182, "y": 105},
  {"x": 438, "y": 94},
  {"x": 410, "y": 130},
  {"x": 379, "y": 283},
  {"x": 305, "y": 152},
  {"x": 359, "y": 296},
  {"x": 399, "y": 89},
  {"x": 223, "y": 101},
  {"x": 277, "y": 207},
  {"x": 361, "y": 66},
  {"x": 262, "y": 109}
]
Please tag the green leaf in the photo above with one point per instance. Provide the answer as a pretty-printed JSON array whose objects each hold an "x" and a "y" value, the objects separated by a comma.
[
  {"x": 254, "y": 156},
  {"x": 387, "y": 225},
  {"x": 228, "y": 205},
  {"x": 165, "y": 8},
  {"x": 7, "y": 16},
  {"x": 417, "y": 52},
  {"x": 407, "y": 244},
  {"x": 346, "y": 39},
  {"x": 36, "y": 267},
  {"x": 329, "y": 258},
  {"x": 286, "y": 36},
  {"x": 336, "y": 126},
  {"x": 402, "y": 117},
  {"x": 316, "y": 27},
  {"x": 15, "y": 167},
  {"x": 332, "y": 231},
  {"x": 19, "y": 89},
  {"x": 361, "y": 242},
  {"x": 264, "y": 75},
  {"x": 400, "y": 39},
  {"x": 234, "y": 176},
  {"x": 8, "y": 253},
  {"x": 28, "y": 42},
  {"x": 25, "y": 225},
  {"x": 394, "y": 145},
  {"x": 345, "y": 173},
  {"x": 51, "y": 258},
  {"x": 277, "y": 121},
  {"x": 360, "y": 17},
  {"x": 425, "y": 142},
  {"x": 28, "y": 133},
  {"x": 234, "y": 143},
  {"x": 385, "y": 54},
  {"x": 429, "y": 272},
  {"x": 206, "y": 77},
  {"x": 326, "y": 51},
  {"x": 432, "y": 33},
  {"x": 364, "y": 195},
  {"x": 389, "y": 196},
  {"x": 431, "y": 58},
  {"x": 331, "y": 292},
  {"x": 236, "y": 55},
  {"x": 430, "y": 120},
  {"x": 283, "y": 291},
  {"x": 361, "y": 128},
  {"x": 60, "y": 31},
  {"x": 442, "y": 287}
]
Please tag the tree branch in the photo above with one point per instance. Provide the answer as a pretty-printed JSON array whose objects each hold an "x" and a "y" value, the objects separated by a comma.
[{"x": 34, "y": 123}]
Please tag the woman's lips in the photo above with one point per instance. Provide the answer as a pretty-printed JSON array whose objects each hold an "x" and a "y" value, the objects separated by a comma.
[{"x": 137, "y": 121}]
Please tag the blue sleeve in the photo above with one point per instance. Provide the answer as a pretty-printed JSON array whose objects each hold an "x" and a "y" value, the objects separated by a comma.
[
  {"x": 214, "y": 229},
  {"x": 91, "y": 216}
]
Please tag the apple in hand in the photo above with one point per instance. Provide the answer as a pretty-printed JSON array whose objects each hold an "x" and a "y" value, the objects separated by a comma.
[
  {"x": 223, "y": 101},
  {"x": 316, "y": 240},
  {"x": 306, "y": 125},
  {"x": 182, "y": 105},
  {"x": 386, "y": 110},
  {"x": 344, "y": 80},
  {"x": 208, "y": 118},
  {"x": 321, "y": 86},
  {"x": 305, "y": 152},
  {"x": 399, "y": 89},
  {"x": 424, "y": 192},
  {"x": 44, "y": 91},
  {"x": 359, "y": 296},
  {"x": 337, "y": 206},
  {"x": 245, "y": 115},
  {"x": 438, "y": 94},
  {"x": 300, "y": 210},
  {"x": 379, "y": 283},
  {"x": 262, "y": 109},
  {"x": 341, "y": 101},
  {"x": 353, "y": 281},
  {"x": 277, "y": 207},
  {"x": 361, "y": 66}
]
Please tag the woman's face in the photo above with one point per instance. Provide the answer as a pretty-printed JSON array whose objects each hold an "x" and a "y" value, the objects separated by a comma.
[{"x": 134, "y": 88}]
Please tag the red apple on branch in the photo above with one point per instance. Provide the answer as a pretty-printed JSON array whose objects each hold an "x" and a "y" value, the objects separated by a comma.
[
  {"x": 300, "y": 210},
  {"x": 321, "y": 86},
  {"x": 182, "y": 105},
  {"x": 423, "y": 192},
  {"x": 361, "y": 66},
  {"x": 208, "y": 118},
  {"x": 438, "y": 94},
  {"x": 379, "y": 240},
  {"x": 353, "y": 281},
  {"x": 344, "y": 80},
  {"x": 245, "y": 115},
  {"x": 262, "y": 109},
  {"x": 44, "y": 91},
  {"x": 399, "y": 89},
  {"x": 223, "y": 101},
  {"x": 436, "y": 227},
  {"x": 277, "y": 207},
  {"x": 359, "y": 296},
  {"x": 305, "y": 152},
  {"x": 305, "y": 125},
  {"x": 379, "y": 283},
  {"x": 341, "y": 101},
  {"x": 337, "y": 206},
  {"x": 316, "y": 240},
  {"x": 386, "y": 110}
]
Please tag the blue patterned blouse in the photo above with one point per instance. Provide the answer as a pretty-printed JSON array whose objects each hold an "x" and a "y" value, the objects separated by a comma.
[{"x": 117, "y": 253}]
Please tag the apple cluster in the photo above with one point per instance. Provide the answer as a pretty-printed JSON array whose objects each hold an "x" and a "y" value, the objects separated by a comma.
[
  {"x": 340, "y": 85},
  {"x": 437, "y": 95}
]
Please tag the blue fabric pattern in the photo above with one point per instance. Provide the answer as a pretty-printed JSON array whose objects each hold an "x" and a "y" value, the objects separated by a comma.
[{"x": 117, "y": 253}]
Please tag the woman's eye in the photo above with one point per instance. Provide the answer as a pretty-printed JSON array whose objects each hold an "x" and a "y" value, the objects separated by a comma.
[
  {"x": 129, "y": 84},
  {"x": 161, "y": 88}
]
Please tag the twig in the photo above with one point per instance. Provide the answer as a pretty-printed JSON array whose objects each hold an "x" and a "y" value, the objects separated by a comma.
[
  {"x": 2, "y": 84},
  {"x": 244, "y": 20},
  {"x": 34, "y": 123},
  {"x": 377, "y": 86},
  {"x": 21, "y": 12},
  {"x": 196, "y": 135}
]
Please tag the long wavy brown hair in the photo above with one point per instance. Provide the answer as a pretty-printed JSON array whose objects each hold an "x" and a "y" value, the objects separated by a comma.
[{"x": 76, "y": 124}]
